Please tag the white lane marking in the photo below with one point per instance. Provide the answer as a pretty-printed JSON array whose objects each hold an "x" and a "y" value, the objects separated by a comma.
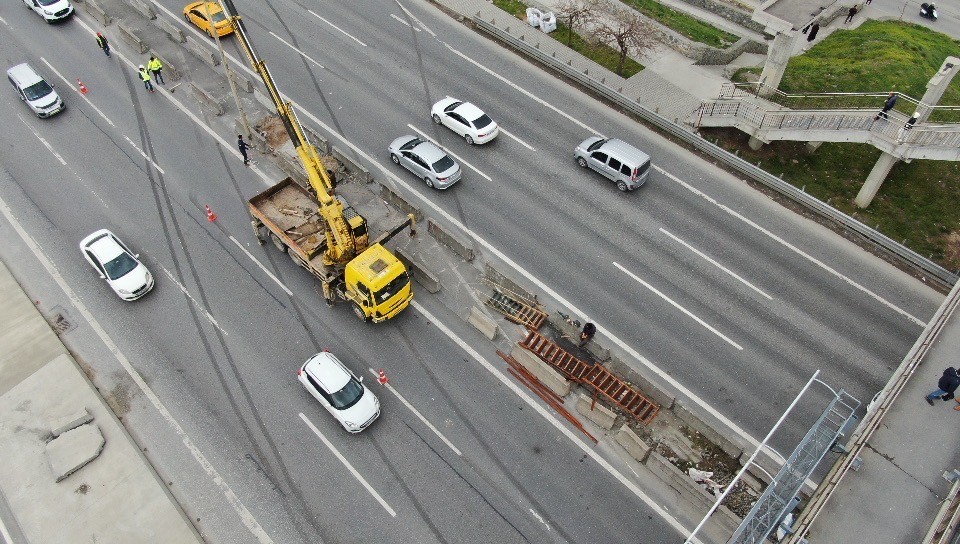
[
  {"x": 4, "y": 21},
  {"x": 347, "y": 464},
  {"x": 3, "y": 528},
  {"x": 414, "y": 17},
  {"x": 345, "y": 33},
  {"x": 509, "y": 383},
  {"x": 264, "y": 268},
  {"x": 144, "y": 154},
  {"x": 195, "y": 301},
  {"x": 291, "y": 46},
  {"x": 678, "y": 306},
  {"x": 794, "y": 248},
  {"x": 42, "y": 140},
  {"x": 245, "y": 516},
  {"x": 418, "y": 414},
  {"x": 540, "y": 519},
  {"x": 524, "y": 144},
  {"x": 523, "y": 91},
  {"x": 715, "y": 263},
  {"x": 83, "y": 96},
  {"x": 465, "y": 163},
  {"x": 404, "y": 22}
]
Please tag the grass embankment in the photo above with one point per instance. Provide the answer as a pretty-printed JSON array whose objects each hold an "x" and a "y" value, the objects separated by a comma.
[
  {"x": 603, "y": 55},
  {"x": 685, "y": 25},
  {"x": 918, "y": 202}
]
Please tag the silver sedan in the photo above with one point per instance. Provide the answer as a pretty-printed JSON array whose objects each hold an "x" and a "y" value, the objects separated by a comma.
[{"x": 427, "y": 161}]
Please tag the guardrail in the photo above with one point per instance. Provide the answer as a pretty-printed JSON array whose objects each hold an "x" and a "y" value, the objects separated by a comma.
[{"x": 943, "y": 277}]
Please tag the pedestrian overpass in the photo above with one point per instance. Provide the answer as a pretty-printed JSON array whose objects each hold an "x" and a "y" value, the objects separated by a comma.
[{"x": 743, "y": 107}]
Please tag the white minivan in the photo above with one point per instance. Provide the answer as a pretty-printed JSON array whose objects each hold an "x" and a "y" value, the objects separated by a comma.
[
  {"x": 34, "y": 91},
  {"x": 51, "y": 10},
  {"x": 617, "y": 160}
]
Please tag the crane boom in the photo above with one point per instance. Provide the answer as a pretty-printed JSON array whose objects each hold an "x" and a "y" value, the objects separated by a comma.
[{"x": 346, "y": 237}]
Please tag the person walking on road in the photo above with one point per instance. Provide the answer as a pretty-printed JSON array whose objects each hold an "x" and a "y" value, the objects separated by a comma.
[
  {"x": 103, "y": 43},
  {"x": 156, "y": 68},
  {"x": 946, "y": 386},
  {"x": 888, "y": 105},
  {"x": 145, "y": 77},
  {"x": 850, "y": 14},
  {"x": 243, "y": 147}
]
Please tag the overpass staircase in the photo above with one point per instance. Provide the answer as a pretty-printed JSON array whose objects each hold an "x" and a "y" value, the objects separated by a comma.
[{"x": 765, "y": 118}]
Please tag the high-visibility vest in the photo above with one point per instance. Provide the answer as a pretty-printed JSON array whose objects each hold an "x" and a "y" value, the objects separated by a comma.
[
  {"x": 155, "y": 65},
  {"x": 145, "y": 75}
]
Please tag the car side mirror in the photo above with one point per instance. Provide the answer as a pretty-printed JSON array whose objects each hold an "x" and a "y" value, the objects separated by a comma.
[
  {"x": 360, "y": 378},
  {"x": 137, "y": 256}
]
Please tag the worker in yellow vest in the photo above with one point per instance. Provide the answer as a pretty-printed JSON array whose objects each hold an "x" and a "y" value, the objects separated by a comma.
[
  {"x": 156, "y": 68},
  {"x": 145, "y": 77}
]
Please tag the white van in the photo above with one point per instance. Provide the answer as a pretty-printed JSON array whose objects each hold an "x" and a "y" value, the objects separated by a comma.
[
  {"x": 51, "y": 10},
  {"x": 32, "y": 89},
  {"x": 624, "y": 164}
]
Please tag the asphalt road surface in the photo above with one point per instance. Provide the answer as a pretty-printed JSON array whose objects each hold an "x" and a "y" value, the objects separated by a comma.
[{"x": 219, "y": 340}]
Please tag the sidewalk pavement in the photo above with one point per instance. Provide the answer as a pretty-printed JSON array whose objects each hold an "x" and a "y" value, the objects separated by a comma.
[
  {"x": 55, "y": 425},
  {"x": 894, "y": 497}
]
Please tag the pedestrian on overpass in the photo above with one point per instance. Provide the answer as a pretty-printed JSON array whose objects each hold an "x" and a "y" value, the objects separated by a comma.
[
  {"x": 145, "y": 77},
  {"x": 946, "y": 386},
  {"x": 888, "y": 105},
  {"x": 102, "y": 43},
  {"x": 850, "y": 14},
  {"x": 156, "y": 68}
]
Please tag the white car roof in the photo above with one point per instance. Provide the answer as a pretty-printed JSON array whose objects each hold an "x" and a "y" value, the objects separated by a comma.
[
  {"x": 469, "y": 111},
  {"x": 328, "y": 371},
  {"x": 103, "y": 245}
]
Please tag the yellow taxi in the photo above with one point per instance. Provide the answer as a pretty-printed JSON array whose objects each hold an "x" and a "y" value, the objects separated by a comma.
[{"x": 208, "y": 16}]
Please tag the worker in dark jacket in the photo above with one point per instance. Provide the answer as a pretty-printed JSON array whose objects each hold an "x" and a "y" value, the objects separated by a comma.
[
  {"x": 589, "y": 329},
  {"x": 946, "y": 387}
]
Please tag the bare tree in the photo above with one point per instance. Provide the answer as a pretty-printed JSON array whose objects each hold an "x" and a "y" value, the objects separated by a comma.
[
  {"x": 575, "y": 13},
  {"x": 625, "y": 30}
]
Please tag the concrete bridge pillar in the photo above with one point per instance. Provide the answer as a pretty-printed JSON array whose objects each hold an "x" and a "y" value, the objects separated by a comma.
[
  {"x": 778, "y": 55},
  {"x": 755, "y": 143},
  {"x": 813, "y": 146},
  {"x": 937, "y": 86},
  {"x": 875, "y": 180}
]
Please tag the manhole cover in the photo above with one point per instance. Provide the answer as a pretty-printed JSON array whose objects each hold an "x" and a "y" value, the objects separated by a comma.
[{"x": 60, "y": 322}]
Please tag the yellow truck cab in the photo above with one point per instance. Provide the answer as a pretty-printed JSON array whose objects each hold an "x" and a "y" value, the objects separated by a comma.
[{"x": 378, "y": 283}]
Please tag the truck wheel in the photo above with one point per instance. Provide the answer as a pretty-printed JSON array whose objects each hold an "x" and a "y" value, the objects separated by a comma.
[
  {"x": 359, "y": 311},
  {"x": 296, "y": 259},
  {"x": 278, "y": 242}
]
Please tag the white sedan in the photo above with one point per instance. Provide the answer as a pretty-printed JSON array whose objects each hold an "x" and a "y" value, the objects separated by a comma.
[
  {"x": 340, "y": 391},
  {"x": 465, "y": 119},
  {"x": 119, "y": 266}
]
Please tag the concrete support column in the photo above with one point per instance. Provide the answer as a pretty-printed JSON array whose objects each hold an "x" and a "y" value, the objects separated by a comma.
[
  {"x": 813, "y": 146},
  {"x": 875, "y": 180},
  {"x": 778, "y": 55},
  {"x": 755, "y": 143}
]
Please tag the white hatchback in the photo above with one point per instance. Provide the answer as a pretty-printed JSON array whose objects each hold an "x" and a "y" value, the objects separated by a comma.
[
  {"x": 51, "y": 10},
  {"x": 465, "y": 119},
  {"x": 119, "y": 266},
  {"x": 340, "y": 391}
]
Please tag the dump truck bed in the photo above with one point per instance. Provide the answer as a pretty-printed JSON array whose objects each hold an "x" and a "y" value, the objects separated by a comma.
[{"x": 293, "y": 215}]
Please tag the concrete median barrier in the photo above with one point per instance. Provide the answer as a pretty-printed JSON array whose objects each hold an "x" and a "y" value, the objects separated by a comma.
[
  {"x": 170, "y": 70},
  {"x": 97, "y": 12},
  {"x": 131, "y": 35},
  {"x": 171, "y": 29},
  {"x": 202, "y": 52},
  {"x": 549, "y": 377},
  {"x": 596, "y": 412},
  {"x": 449, "y": 240},
  {"x": 142, "y": 8},
  {"x": 482, "y": 322},
  {"x": 207, "y": 100}
]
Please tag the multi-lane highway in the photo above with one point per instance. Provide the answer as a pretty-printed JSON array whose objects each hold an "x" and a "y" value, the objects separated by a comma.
[{"x": 732, "y": 299}]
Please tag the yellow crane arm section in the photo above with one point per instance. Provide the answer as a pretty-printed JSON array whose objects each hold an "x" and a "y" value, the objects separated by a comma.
[{"x": 341, "y": 244}]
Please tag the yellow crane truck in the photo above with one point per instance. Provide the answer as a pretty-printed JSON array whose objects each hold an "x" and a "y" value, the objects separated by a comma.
[{"x": 321, "y": 232}]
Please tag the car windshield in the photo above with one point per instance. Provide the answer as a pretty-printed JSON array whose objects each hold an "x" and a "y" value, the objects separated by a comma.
[
  {"x": 392, "y": 288},
  {"x": 120, "y": 266},
  {"x": 445, "y": 163},
  {"x": 411, "y": 144},
  {"x": 38, "y": 90},
  {"x": 218, "y": 17},
  {"x": 596, "y": 144},
  {"x": 47, "y": 2},
  {"x": 348, "y": 396},
  {"x": 482, "y": 121}
]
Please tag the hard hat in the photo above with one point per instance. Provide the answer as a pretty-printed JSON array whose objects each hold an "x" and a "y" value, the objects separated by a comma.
[{"x": 141, "y": 67}]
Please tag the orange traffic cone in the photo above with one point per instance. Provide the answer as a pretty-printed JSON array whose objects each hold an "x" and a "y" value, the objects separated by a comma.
[
  {"x": 382, "y": 377},
  {"x": 210, "y": 215},
  {"x": 83, "y": 88}
]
